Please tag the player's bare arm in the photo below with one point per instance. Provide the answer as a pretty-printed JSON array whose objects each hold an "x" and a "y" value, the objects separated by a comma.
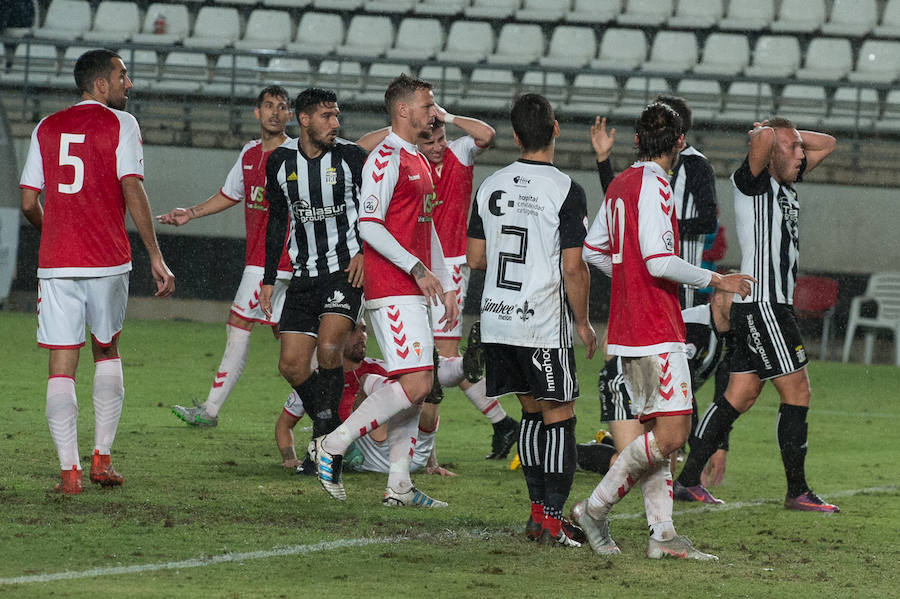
[
  {"x": 733, "y": 283},
  {"x": 602, "y": 139},
  {"x": 370, "y": 140},
  {"x": 181, "y": 216},
  {"x": 762, "y": 143},
  {"x": 139, "y": 207},
  {"x": 817, "y": 147},
  {"x": 354, "y": 270},
  {"x": 31, "y": 207},
  {"x": 481, "y": 132},
  {"x": 265, "y": 299},
  {"x": 578, "y": 283},
  {"x": 476, "y": 253}
]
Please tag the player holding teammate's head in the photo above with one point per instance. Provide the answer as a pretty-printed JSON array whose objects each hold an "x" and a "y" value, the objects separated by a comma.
[
  {"x": 534, "y": 124},
  {"x": 680, "y": 106},
  {"x": 787, "y": 151},
  {"x": 410, "y": 104},
  {"x": 101, "y": 75},
  {"x": 317, "y": 113},
  {"x": 658, "y": 132}
]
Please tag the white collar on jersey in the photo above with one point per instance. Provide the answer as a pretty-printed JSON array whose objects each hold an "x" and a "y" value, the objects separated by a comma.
[
  {"x": 394, "y": 139},
  {"x": 653, "y": 166}
]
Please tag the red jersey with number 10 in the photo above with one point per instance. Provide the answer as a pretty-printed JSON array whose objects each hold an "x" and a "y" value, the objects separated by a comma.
[
  {"x": 636, "y": 223},
  {"x": 78, "y": 158}
]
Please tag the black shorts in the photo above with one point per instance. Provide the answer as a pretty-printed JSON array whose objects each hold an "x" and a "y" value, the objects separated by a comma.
[
  {"x": 767, "y": 340},
  {"x": 309, "y": 298},
  {"x": 615, "y": 403},
  {"x": 545, "y": 373}
]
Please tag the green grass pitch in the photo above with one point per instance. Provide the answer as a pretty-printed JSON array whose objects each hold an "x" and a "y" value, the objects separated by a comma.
[{"x": 211, "y": 512}]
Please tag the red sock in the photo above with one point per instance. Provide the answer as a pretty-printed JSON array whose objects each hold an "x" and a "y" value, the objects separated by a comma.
[
  {"x": 551, "y": 524},
  {"x": 537, "y": 512}
]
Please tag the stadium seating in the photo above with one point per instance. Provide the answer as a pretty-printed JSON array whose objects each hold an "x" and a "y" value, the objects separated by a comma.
[
  {"x": 292, "y": 73},
  {"x": 294, "y": 4},
  {"x": 448, "y": 82},
  {"x": 747, "y": 102},
  {"x": 890, "y": 20},
  {"x": 672, "y": 52},
  {"x": 854, "y": 108},
  {"x": 883, "y": 291},
  {"x": 492, "y": 10},
  {"x": 489, "y": 88},
  {"x": 377, "y": 80},
  {"x": 267, "y": 29},
  {"x": 64, "y": 78},
  {"x": 234, "y": 75},
  {"x": 637, "y": 93},
  {"x": 318, "y": 33},
  {"x": 592, "y": 95},
  {"x": 175, "y": 24},
  {"x": 114, "y": 22},
  {"x": 827, "y": 59},
  {"x": 41, "y": 60},
  {"x": 367, "y": 37},
  {"x": 621, "y": 49},
  {"x": 696, "y": 14},
  {"x": 570, "y": 46},
  {"x": 775, "y": 56},
  {"x": 383, "y": 7},
  {"x": 852, "y": 18},
  {"x": 645, "y": 13},
  {"x": 518, "y": 44},
  {"x": 703, "y": 96},
  {"x": 889, "y": 121},
  {"x": 215, "y": 28},
  {"x": 543, "y": 10},
  {"x": 342, "y": 5},
  {"x": 468, "y": 41},
  {"x": 748, "y": 16},
  {"x": 549, "y": 84},
  {"x": 806, "y": 104},
  {"x": 344, "y": 76},
  {"x": 66, "y": 20},
  {"x": 594, "y": 11},
  {"x": 878, "y": 62},
  {"x": 724, "y": 54},
  {"x": 417, "y": 39},
  {"x": 182, "y": 73},
  {"x": 440, "y": 7},
  {"x": 800, "y": 16}
]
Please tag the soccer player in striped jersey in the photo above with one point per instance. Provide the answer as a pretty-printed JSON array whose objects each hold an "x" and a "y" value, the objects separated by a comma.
[
  {"x": 246, "y": 182},
  {"x": 452, "y": 168},
  {"x": 312, "y": 184},
  {"x": 770, "y": 348},
  {"x": 405, "y": 272},
  {"x": 634, "y": 239},
  {"x": 526, "y": 230},
  {"x": 88, "y": 162}
]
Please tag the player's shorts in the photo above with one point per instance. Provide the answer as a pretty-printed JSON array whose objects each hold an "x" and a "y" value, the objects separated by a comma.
[
  {"x": 459, "y": 274},
  {"x": 659, "y": 385},
  {"x": 403, "y": 332},
  {"x": 293, "y": 405},
  {"x": 767, "y": 340},
  {"x": 615, "y": 403},
  {"x": 246, "y": 300},
  {"x": 66, "y": 305},
  {"x": 309, "y": 298},
  {"x": 544, "y": 373}
]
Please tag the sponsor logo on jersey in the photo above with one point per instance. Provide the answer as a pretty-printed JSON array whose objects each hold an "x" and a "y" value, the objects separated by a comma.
[
  {"x": 331, "y": 175},
  {"x": 370, "y": 204},
  {"x": 428, "y": 203},
  {"x": 494, "y": 203},
  {"x": 527, "y": 205},
  {"x": 543, "y": 360},
  {"x": 248, "y": 167},
  {"x": 754, "y": 341},
  {"x": 503, "y": 310},
  {"x": 304, "y": 213},
  {"x": 415, "y": 177},
  {"x": 520, "y": 181},
  {"x": 336, "y": 301},
  {"x": 292, "y": 177},
  {"x": 257, "y": 198}
]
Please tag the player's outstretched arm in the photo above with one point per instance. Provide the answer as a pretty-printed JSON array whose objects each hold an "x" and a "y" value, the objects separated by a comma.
[
  {"x": 817, "y": 147},
  {"x": 578, "y": 284},
  {"x": 370, "y": 140},
  {"x": 181, "y": 216},
  {"x": 139, "y": 207},
  {"x": 479, "y": 130},
  {"x": 31, "y": 207}
]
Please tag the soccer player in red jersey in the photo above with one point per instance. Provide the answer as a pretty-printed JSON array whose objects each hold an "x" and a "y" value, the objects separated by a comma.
[
  {"x": 88, "y": 162},
  {"x": 404, "y": 272},
  {"x": 634, "y": 239}
]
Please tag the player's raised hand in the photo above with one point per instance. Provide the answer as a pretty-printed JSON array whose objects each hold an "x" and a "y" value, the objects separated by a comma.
[
  {"x": 176, "y": 217},
  {"x": 733, "y": 283},
  {"x": 601, "y": 139},
  {"x": 355, "y": 270},
  {"x": 165, "y": 280},
  {"x": 265, "y": 300},
  {"x": 588, "y": 337}
]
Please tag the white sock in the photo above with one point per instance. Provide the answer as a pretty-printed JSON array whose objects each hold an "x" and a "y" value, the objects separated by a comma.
[
  {"x": 491, "y": 408},
  {"x": 109, "y": 395},
  {"x": 402, "y": 431},
  {"x": 230, "y": 368},
  {"x": 377, "y": 409},
  {"x": 450, "y": 371},
  {"x": 62, "y": 416},
  {"x": 656, "y": 486},
  {"x": 636, "y": 459}
]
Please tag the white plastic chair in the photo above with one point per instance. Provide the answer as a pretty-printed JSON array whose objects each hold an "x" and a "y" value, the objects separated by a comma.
[
  {"x": 182, "y": 73},
  {"x": 341, "y": 5},
  {"x": 385, "y": 7},
  {"x": 890, "y": 20},
  {"x": 444, "y": 8},
  {"x": 367, "y": 37},
  {"x": 570, "y": 46},
  {"x": 884, "y": 290},
  {"x": 39, "y": 61},
  {"x": 176, "y": 24},
  {"x": 292, "y": 73},
  {"x": 590, "y": 95},
  {"x": 672, "y": 52},
  {"x": 547, "y": 11},
  {"x": 216, "y": 28},
  {"x": 805, "y": 103},
  {"x": 114, "y": 22},
  {"x": 645, "y": 13},
  {"x": 378, "y": 78},
  {"x": 518, "y": 44},
  {"x": 594, "y": 11},
  {"x": 547, "y": 83},
  {"x": 447, "y": 82},
  {"x": 621, "y": 49},
  {"x": 491, "y": 9},
  {"x": 468, "y": 41},
  {"x": 704, "y": 96},
  {"x": 696, "y": 14},
  {"x": 854, "y": 108},
  {"x": 637, "y": 93},
  {"x": 345, "y": 77},
  {"x": 417, "y": 39},
  {"x": 66, "y": 20},
  {"x": 747, "y": 102},
  {"x": 267, "y": 29},
  {"x": 878, "y": 62},
  {"x": 748, "y": 16},
  {"x": 775, "y": 56},
  {"x": 724, "y": 54},
  {"x": 853, "y": 18},
  {"x": 489, "y": 89},
  {"x": 318, "y": 33},
  {"x": 827, "y": 58},
  {"x": 800, "y": 16},
  {"x": 244, "y": 71},
  {"x": 889, "y": 121},
  {"x": 294, "y": 4}
]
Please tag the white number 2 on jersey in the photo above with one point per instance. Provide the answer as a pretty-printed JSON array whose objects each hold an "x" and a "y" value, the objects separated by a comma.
[{"x": 66, "y": 159}]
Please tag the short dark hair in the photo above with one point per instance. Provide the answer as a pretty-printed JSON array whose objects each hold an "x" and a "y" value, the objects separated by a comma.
[
  {"x": 401, "y": 89},
  {"x": 91, "y": 65},
  {"x": 311, "y": 97},
  {"x": 532, "y": 120},
  {"x": 680, "y": 106},
  {"x": 276, "y": 91},
  {"x": 780, "y": 122},
  {"x": 657, "y": 130}
]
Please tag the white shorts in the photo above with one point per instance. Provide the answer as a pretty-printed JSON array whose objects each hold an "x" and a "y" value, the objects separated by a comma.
[
  {"x": 659, "y": 385},
  {"x": 403, "y": 332},
  {"x": 246, "y": 300},
  {"x": 66, "y": 305},
  {"x": 459, "y": 273},
  {"x": 293, "y": 405}
]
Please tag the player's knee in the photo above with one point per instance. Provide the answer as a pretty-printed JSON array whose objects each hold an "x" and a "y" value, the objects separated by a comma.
[
  {"x": 292, "y": 372},
  {"x": 418, "y": 387},
  {"x": 329, "y": 354}
]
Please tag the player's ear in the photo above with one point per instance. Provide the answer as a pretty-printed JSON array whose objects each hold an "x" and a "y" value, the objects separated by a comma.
[
  {"x": 256, "y": 112},
  {"x": 101, "y": 86},
  {"x": 555, "y": 128},
  {"x": 516, "y": 139}
]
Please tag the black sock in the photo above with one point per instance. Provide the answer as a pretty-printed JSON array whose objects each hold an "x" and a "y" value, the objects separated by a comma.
[
  {"x": 595, "y": 456},
  {"x": 531, "y": 450},
  {"x": 559, "y": 465},
  {"x": 705, "y": 439},
  {"x": 310, "y": 392},
  {"x": 331, "y": 381},
  {"x": 791, "y": 429}
]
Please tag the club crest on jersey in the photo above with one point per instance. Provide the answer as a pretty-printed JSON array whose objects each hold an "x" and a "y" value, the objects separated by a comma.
[
  {"x": 525, "y": 312},
  {"x": 417, "y": 347},
  {"x": 331, "y": 175},
  {"x": 370, "y": 204},
  {"x": 669, "y": 241}
]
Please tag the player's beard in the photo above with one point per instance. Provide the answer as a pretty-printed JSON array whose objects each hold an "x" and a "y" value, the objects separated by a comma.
[
  {"x": 323, "y": 144},
  {"x": 117, "y": 103}
]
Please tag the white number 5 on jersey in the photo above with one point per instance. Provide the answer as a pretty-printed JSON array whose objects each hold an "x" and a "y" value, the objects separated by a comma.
[{"x": 66, "y": 159}]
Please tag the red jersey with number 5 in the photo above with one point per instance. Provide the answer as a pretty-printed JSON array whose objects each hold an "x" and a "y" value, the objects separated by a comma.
[
  {"x": 78, "y": 158},
  {"x": 636, "y": 223}
]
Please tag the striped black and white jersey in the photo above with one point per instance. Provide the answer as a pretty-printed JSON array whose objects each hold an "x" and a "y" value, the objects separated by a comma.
[
  {"x": 694, "y": 188},
  {"x": 527, "y": 213},
  {"x": 315, "y": 202},
  {"x": 766, "y": 215}
]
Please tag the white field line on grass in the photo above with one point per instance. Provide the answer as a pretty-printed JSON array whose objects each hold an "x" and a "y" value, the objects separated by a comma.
[{"x": 362, "y": 542}]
